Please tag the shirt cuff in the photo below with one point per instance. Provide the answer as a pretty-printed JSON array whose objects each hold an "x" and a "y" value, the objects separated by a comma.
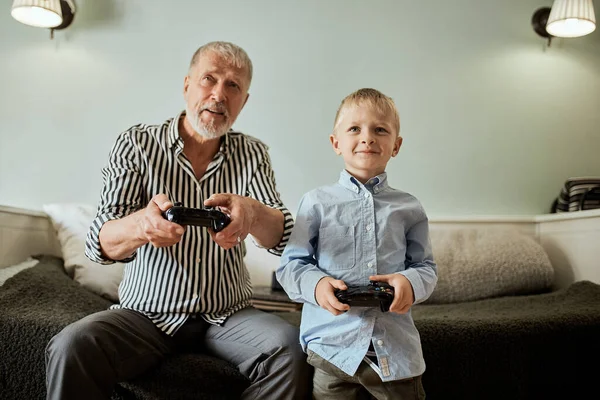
[
  {"x": 288, "y": 224},
  {"x": 309, "y": 285},
  {"x": 93, "y": 250},
  {"x": 414, "y": 278}
]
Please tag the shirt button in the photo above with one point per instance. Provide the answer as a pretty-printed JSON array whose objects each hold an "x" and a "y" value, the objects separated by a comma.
[
  {"x": 367, "y": 195},
  {"x": 380, "y": 342},
  {"x": 369, "y": 228},
  {"x": 370, "y": 264},
  {"x": 198, "y": 259}
]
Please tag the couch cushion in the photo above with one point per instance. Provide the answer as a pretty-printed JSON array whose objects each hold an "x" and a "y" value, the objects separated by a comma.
[
  {"x": 186, "y": 376},
  {"x": 481, "y": 263},
  {"x": 72, "y": 223}
]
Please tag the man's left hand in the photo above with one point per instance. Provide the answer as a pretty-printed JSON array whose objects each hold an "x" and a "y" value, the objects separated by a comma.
[{"x": 241, "y": 210}]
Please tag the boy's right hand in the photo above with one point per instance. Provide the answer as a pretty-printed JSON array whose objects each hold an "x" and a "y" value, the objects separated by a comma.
[{"x": 325, "y": 297}]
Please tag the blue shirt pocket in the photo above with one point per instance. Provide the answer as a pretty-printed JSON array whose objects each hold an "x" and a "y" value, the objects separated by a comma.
[{"x": 336, "y": 249}]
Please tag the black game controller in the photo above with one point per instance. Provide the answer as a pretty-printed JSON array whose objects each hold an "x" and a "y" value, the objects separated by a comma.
[
  {"x": 375, "y": 294},
  {"x": 208, "y": 217}
]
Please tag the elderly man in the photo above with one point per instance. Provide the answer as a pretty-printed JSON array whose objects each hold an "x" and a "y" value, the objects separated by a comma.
[{"x": 185, "y": 286}]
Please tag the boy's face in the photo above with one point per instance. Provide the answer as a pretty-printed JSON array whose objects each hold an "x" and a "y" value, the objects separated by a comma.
[{"x": 366, "y": 139}]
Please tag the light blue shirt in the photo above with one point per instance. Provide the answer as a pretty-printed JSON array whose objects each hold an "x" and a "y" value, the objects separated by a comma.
[{"x": 350, "y": 231}]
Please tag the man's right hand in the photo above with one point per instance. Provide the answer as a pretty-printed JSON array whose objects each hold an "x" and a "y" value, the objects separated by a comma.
[
  {"x": 324, "y": 294},
  {"x": 120, "y": 238},
  {"x": 153, "y": 228}
]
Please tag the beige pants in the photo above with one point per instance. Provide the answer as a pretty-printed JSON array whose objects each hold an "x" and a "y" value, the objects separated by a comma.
[{"x": 329, "y": 382}]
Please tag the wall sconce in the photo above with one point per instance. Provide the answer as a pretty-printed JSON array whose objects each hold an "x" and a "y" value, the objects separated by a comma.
[
  {"x": 53, "y": 14},
  {"x": 567, "y": 18}
]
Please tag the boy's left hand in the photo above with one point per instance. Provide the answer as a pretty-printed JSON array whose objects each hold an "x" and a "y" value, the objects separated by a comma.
[{"x": 404, "y": 296}]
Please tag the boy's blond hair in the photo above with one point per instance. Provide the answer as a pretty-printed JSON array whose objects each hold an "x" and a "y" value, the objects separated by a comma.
[{"x": 372, "y": 98}]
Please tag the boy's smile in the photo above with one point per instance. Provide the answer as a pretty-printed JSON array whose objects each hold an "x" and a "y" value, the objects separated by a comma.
[{"x": 366, "y": 139}]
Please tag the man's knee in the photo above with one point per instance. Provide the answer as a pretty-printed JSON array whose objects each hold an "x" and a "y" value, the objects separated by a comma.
[
  {"x": 286, "y": 337},
  {"x": 292, "y": 356},
  {"x": 74, "y": 338}
]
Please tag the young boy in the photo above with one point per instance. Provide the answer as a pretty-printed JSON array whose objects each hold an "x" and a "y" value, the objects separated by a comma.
[{"x": 347, "y": 234}]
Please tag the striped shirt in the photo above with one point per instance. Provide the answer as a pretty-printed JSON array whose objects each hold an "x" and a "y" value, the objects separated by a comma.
[{"x": 195, "y": 277}]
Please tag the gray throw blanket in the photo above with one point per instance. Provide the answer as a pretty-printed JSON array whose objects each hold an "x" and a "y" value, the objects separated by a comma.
[
  {"x": 540, "y": 346},
  {"x": 37, "y": 303}
]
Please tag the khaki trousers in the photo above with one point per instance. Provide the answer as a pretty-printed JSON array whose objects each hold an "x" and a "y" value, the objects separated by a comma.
[{"x": 329, "y": 383}]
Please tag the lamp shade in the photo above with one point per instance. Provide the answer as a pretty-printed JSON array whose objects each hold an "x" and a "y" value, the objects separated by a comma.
[
  {"x": 571, "y": 18},
  {"x": 39, "y": 13}
]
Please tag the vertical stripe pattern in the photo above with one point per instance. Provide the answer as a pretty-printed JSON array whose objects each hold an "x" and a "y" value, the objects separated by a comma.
[{"x": 195, "y": 276}]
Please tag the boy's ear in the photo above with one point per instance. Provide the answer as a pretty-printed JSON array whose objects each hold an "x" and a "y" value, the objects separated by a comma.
[
  {"x": 335, "y": 144},
  {"x": 397, "y": 146}
]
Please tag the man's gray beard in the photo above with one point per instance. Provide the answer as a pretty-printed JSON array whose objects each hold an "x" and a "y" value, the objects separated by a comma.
[{"x": 209, "y": 131}]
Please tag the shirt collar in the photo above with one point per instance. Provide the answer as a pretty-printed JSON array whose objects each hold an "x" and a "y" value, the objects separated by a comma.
[
  {"x": 174, "y": 138},
  {"x": 375, "y": 184}
]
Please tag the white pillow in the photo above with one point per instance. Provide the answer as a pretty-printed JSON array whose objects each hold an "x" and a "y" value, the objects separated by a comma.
[
  {"x": 12, "y": 270},
  {"x": 72, "y": 222}
]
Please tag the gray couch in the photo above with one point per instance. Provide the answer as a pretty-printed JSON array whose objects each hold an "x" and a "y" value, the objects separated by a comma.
[{"x": 493, "y": 330}]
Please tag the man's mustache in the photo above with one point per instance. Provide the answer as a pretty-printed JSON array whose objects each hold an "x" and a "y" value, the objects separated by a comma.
[{"x": 215, "y": 108}]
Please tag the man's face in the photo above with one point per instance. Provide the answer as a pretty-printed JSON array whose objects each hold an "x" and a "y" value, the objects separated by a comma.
[
  {"x": 215, "y": 92},
  {"x": 366, "y": 139}
]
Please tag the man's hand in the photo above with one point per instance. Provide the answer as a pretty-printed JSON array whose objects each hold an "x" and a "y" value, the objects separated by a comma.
[
  {"x": 120, "y": 238},
  {"x": 154, "y": 228},
  {"x": 325, "y": 297},
  {"x": 404, "y": 296},
  {"x": 241, "y": 210}
]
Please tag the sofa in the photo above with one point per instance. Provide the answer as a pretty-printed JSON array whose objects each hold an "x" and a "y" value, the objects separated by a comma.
[{"x": 495, "y": 328}]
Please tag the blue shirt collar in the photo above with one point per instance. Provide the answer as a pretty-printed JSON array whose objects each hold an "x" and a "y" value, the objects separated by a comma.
[{"x": 374, "y": 185}]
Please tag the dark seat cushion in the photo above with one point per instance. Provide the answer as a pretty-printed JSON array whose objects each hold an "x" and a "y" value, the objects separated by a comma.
[{"x": 186, "y": 376}]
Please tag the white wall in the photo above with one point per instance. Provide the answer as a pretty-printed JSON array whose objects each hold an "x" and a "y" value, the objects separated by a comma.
[{"x": 493, "y": 121}]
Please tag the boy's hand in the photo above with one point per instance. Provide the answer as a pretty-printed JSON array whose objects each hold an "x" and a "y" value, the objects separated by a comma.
[
  {"x": 325, "y": 297},
  {"x": 404, "y": 297}
]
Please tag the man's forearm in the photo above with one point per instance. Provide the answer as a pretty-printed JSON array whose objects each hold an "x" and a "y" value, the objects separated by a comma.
[
  {"x": 119, "y": 238},
  {"x": 267, "y": 228}
]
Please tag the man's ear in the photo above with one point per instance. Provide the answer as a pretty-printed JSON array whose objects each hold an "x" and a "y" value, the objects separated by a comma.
[
  {"x": 245, "y": 101},
  {"x": 335, "y": 144},
  {"x": 397, "y": 146},
  {"x": 186, "y": 85}
]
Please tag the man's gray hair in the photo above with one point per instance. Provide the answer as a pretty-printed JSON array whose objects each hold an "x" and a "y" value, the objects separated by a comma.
[{"x": 230, "y": 52}]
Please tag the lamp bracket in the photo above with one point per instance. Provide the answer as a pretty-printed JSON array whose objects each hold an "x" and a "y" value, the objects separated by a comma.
[
  {"x": 539, "y": 21},
  {"x": 67, "y": 8}
]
